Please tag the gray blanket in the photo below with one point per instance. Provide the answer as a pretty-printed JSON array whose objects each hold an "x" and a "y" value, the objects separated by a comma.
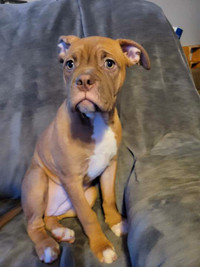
[{"x": 159, "y": 171}]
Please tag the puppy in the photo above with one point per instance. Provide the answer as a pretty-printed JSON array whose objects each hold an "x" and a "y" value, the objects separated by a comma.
[{"x": 79, "y": 145}]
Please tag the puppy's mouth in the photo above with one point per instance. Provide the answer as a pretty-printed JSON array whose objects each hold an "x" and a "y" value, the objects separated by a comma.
[{"x": 87, "y": 107}]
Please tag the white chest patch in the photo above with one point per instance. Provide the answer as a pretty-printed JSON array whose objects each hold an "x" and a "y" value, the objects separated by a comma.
[{"x": 105, "y": 147}]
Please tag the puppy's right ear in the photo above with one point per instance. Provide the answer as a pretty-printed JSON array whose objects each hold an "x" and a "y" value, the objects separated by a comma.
[{"x": 64, "y": 43}]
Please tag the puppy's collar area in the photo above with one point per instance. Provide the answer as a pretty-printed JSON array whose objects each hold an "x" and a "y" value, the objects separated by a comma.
[
  {"x": 86, "y": 120},
  {"x": 90, "y": 115}
]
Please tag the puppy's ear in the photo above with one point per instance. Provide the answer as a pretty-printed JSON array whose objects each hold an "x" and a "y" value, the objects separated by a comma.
[
  {"x": 134, "y": 53},
  {"x": 64, "y": 43}
]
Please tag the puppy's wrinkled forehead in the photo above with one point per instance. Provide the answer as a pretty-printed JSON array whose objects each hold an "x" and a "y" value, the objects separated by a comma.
[
  {"x": 94, "y": 48},
  {"x": 124, "y": 51}
]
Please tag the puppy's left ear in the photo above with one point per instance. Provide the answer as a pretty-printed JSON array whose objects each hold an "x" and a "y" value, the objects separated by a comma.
[
  {"x": 134, "y": 53},
  {"x": 64, "y": 43}
]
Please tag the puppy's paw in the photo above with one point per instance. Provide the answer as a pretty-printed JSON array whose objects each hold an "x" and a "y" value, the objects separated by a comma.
[
  {"x": 109, "y": 255},
  {"x": 103, "y": 249},
  {"x": 120, "y": 228},
  {"x": 49, "y": 255},
  {"x": 64, "y": 234},
  {"x": 48, "y": 250}
]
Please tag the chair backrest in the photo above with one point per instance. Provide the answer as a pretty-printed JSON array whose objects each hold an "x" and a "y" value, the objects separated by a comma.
[{"x": 151, "y": 104}]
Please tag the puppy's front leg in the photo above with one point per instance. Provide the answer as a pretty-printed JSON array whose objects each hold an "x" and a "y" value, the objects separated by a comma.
[
  {"x": 99, "y": 244},
  {"x": 112, "y": 216}
]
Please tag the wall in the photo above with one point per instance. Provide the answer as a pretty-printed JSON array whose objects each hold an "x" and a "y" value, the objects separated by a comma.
[{"x": 186, "y": 15}]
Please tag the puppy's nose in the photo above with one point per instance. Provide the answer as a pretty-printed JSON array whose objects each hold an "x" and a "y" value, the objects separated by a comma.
[{"x": 85, "y": 82}]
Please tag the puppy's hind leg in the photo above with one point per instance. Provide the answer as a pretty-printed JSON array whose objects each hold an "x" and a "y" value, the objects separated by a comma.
[
  {"x": 34, "y": 191},
  {"x": 60, "y": 232}
]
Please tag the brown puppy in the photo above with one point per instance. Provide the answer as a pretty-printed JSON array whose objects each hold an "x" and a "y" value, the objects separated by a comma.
[{"x": 79, "y": 145}]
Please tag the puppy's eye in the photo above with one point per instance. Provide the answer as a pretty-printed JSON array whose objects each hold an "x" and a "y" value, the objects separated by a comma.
[
  {"x": 69, "y": 64},
  {"x": 109, "y": 63}
]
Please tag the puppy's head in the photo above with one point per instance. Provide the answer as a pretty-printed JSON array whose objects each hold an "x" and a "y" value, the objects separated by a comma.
[{"x": 94, "y": 70}]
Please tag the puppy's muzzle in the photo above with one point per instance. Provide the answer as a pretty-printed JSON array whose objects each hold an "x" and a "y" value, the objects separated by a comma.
[{"x": 85, "y": 82}]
